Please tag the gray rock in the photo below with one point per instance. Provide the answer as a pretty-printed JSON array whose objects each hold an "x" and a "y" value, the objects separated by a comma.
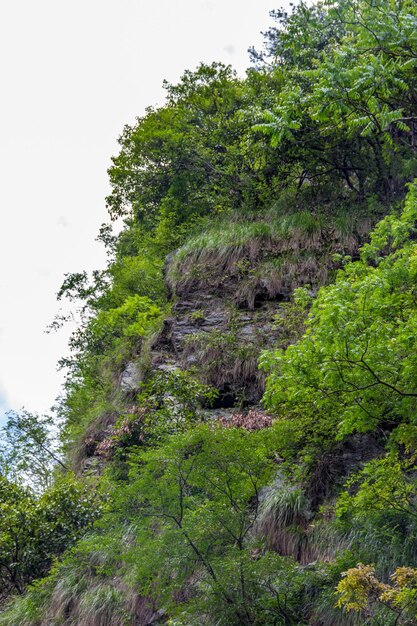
[
  {"x": 217, "y": 414},
  {"x": 247, "y": 331},
  {"x": 167, "y": 367},
  {"x": 131, "y": 377},
  {"x": 206, "y": 308},
  {"x": 93, "y": 466}
]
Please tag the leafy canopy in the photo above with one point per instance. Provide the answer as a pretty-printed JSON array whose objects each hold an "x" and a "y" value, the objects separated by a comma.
[{"x": 356, "y": 363}]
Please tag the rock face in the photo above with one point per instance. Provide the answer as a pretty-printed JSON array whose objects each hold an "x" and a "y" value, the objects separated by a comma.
[
  {"x": 131, "y": 377},
  {"x": 227, "y": 297},
  {"x": 220, "y": 341}
]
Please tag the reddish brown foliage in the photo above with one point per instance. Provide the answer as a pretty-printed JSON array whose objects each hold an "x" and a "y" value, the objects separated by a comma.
[
  {"x": 254, "y": 419},
  {"x": 126, "y": 428}
]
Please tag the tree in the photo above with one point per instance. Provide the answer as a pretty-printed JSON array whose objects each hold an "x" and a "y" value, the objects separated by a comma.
[
  {"x": 194, "y": 502},
  {"x": 346, "y": 109},
  {"x": 30, "y": 449},
  {"x": 189, "y": 159},
  {"x": 355, "y": 365},
  {"x": 35, "y": 529},
  {"x": 361, "y": 591}
]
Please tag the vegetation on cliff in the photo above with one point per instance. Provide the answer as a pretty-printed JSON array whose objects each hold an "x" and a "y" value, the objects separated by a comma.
[{"x": 238, "y": 420}]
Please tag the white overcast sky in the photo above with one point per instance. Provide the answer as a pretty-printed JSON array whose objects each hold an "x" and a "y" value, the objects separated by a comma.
[{"x": 73, "y": 72}]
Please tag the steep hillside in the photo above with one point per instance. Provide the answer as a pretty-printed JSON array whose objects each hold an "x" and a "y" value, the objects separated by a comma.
[{"x": 238, "y": 419}]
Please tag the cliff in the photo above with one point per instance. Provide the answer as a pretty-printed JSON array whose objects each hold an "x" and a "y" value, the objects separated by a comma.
[{"x": 238, "y": 418}]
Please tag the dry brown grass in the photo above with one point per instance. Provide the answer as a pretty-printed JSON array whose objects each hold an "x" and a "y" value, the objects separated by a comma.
[
  {"x": 95, "y": 432},
  {"x": 82, "y": 599},
  {"x": 288, "y": 526},
  {"x": 277, "y": 279},
  {"x": 254, "y": 419},
  {"x": 222, "y": 360},
  {"x": 269, "y": 256},
  {"x": 283, "y": 522}
]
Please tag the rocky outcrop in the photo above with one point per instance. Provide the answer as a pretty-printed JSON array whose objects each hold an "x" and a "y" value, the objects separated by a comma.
[
  {"x": 227, "y": 306},
  {"x": 221, "y": 342},
  {"x": 131, "y": 377},
  {"x": 227, "y": 291}
]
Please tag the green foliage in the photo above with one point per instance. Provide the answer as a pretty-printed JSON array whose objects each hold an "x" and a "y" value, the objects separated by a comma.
[
  {"x": 221, "y": 358},
  {"x": 173, "y": 158},
  {"x": 346, "y": 111},
  {"x": 267, "y": 182},
  {"x": 194, "y": 531},
  {"x": 292, "y": 315},
  {"x": 377, "y": 512},
  {"x": 174, "y": 401},
  {"x": 355, "y": 364},
  {"x": 137, "y": 275},
  {"x": 384, "y": 484},
  {"x": 169, "y": 403},
  {"x": 179, "y": 533},
  {"x": 361, "y": 590},
  {"x": 34, "y": 530},
  {"x": 29, "y": 449},
  {"x": 353, "y": 371},
  {"x": 131, "y": 319},
  {"x": 101, "y": 349}
]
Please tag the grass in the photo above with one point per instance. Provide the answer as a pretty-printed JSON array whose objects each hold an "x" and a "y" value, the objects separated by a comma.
[
  {"x": 289, "y": 527},
  {"x": 283, "y": 521},
  {"x": 276, "y": 278},
  {"x": 86, "y": 602},
  {"x": 24, "y": 611},
  {"x": 77, "y": 594},
  {"x": 223, "y": 360},
  {"x": 102, "y": 605},
  {"x": 271, "y": 249}
]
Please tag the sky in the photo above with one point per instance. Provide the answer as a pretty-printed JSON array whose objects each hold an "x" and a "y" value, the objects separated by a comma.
[{"x": 73, "y": 73}]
